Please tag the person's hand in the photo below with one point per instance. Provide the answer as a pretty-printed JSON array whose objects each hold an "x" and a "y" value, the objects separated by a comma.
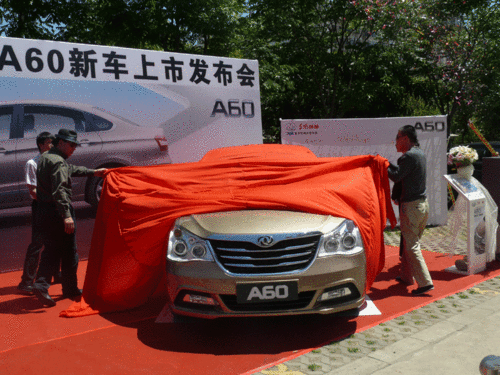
[
  {"x": 32, "y": 191},
  {"x": 69, "y": 225},
  {"x": 100, "y": 172}
]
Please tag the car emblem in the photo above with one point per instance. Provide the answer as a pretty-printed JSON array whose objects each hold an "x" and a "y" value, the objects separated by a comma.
[{"x": 265, "y": 241}]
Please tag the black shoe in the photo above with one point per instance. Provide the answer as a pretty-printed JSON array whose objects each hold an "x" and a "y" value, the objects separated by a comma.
[
  {"x": 44, "y": 298},
  {"x": 26, "y": 289},
  {"x": 422, "y": 290},
  {"x": 72, "y": 295}
]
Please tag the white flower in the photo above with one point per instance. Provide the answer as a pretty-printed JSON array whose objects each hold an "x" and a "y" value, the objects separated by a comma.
[{"x": 462, "y": 156}]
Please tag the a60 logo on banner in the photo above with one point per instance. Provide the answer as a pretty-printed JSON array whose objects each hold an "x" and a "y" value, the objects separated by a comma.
[{"x": 234, "y": 109}]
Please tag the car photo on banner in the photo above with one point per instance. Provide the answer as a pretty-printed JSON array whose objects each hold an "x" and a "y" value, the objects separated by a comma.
[{"x": 106, "y": 140}]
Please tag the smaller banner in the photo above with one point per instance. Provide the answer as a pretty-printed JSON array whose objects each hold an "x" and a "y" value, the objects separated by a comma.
[{"x": 350, "y": 137}]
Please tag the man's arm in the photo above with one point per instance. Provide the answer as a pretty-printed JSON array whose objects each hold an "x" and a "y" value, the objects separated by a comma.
[
  {"x": 77, "y": 171},
  {"x": 69, "y": 224},
  {"x": 30, "y": 177},
  {"x": 404, "y": 167},
  {"x": 60, "y": 189}
]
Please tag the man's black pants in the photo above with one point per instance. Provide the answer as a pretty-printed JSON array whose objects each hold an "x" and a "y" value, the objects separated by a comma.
[
  {"x": 34, "y": 248},
  {"x": 60, "y": 248}
]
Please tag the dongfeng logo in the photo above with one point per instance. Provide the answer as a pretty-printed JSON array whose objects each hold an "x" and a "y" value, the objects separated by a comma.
[{"x": 265, "y": 241}]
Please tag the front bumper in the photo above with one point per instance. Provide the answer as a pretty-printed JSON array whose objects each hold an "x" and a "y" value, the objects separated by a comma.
[{"x": 209, "y": 281}]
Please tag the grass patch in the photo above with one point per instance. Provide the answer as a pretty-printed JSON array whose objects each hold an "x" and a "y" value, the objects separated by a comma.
[{"x": 314, "y": 367}]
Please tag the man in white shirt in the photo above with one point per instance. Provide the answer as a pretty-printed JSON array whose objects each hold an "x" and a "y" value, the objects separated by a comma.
[{"x": 44, "y": 143}]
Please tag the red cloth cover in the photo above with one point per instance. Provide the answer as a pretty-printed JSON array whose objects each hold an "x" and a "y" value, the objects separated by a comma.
[{"x": 140, "y": 204}]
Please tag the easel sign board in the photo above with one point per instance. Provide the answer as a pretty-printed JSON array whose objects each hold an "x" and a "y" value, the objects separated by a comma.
[{"x": 476, "y": 210}]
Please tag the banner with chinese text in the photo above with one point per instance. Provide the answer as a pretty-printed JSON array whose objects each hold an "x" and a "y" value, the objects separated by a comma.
[{"x": 349, "y": 137}]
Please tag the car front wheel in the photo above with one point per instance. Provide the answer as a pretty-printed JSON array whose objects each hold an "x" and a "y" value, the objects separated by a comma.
[
  {"x": 94, "y": 190},
  {"x": 94, "y": 187}
]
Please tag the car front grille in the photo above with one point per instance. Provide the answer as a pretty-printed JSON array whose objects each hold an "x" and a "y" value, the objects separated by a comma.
[{"x": 289, "y": 255}]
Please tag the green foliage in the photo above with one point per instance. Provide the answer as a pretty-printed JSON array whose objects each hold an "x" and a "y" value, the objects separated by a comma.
[
  {"x": 28, "y": 18},
  {"x": 317, "y": 58},
  {"x": 197, "y": 26},
  {"x": 449, "y": 47},
  {"x": 322, "y": 59},
  {"x": 417, "y": 106}
]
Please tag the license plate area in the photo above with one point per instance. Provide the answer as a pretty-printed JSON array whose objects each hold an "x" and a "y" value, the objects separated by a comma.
[{"x": 267, "y": 292}]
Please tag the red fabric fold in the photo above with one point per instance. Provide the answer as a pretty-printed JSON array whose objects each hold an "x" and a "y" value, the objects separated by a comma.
[{"x": 140, "y": 204}]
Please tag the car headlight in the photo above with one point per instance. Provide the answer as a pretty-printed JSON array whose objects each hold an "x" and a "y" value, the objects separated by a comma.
[
  {"x": 184, "y": 246},
  {"x": 344, "y": 239}
]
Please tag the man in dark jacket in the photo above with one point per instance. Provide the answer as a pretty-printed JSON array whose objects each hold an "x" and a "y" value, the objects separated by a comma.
[
  {"x": 57, "y": 217},
  {"x": 410, "y": 179}
]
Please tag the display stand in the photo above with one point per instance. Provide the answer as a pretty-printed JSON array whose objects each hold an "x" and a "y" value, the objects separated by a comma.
[{"x": 476, "y": 231}]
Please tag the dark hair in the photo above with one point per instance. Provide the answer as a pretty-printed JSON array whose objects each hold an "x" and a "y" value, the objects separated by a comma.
[
  {"x": 55, "y": 141},
  {"x": 42, "y": 137},
  {"x": 411, "y": 133}
]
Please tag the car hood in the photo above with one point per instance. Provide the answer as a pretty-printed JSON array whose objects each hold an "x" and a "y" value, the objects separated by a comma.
[{"x": 257, "y": 222}]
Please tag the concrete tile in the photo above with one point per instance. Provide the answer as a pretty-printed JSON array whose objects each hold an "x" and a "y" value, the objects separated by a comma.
[
  {"x": 459, "y": 353},
  {"x": 364, "y": 366},
  {"x": 493, "y": 303},
  {"x": 393, "y": 352},
  {"x": 438, "y": 331},
  {"x": 472, "y": 315}
]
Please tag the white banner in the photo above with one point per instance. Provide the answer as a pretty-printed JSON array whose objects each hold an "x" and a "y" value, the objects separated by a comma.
[
  {"x": 128, "y": 106},
  {"x": 348, "y": 137},
  {"x": 199, "y": 102},
  {"x": 27, "y": 58}
]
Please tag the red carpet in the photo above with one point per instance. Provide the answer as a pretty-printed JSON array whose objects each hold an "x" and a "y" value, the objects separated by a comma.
[{"x": 36, "y": 340}]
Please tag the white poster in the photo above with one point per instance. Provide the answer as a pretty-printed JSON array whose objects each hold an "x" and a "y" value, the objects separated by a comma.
[
  {"x": 348, "y": 137},
  {"x": 128, "y": 106}
]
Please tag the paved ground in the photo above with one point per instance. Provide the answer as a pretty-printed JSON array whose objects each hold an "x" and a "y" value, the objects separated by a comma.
[{"x": 449, "y": 336}]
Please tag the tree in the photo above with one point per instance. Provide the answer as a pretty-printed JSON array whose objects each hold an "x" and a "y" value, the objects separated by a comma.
[
  {"x": 197, "y": 26},
  {"x": 449, "y": 48},
  {"x": 28, "y": 18},
  {"x": 321, "y": 59},
  {"x": 318, "y": 58}
]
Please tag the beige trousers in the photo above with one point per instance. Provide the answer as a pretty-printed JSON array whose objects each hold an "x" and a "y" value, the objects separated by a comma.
[{"x": 413, "y": 219}]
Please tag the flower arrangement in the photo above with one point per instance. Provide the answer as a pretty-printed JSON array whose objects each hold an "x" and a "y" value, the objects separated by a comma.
[{"x": 462, "y": 156}]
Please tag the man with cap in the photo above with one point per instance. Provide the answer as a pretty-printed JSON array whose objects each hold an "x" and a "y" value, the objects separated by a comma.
[
  {"x": 57, "y": 218},
  {"x": 44, "y": 144}
]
